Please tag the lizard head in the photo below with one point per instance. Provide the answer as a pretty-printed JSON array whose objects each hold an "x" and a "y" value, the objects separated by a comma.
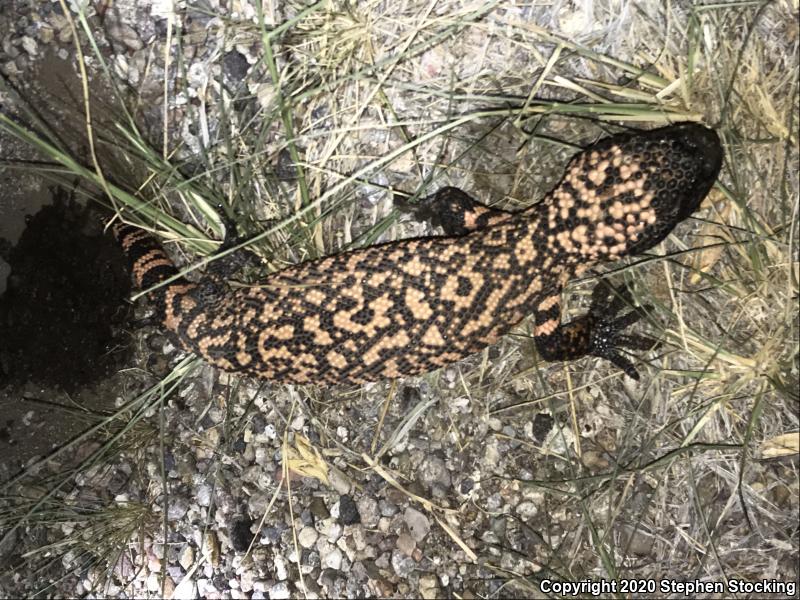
[{"x": 626, "y": 193}]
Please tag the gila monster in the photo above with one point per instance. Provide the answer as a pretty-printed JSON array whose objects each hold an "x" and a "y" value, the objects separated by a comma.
[{"x": 411, "y": 306}]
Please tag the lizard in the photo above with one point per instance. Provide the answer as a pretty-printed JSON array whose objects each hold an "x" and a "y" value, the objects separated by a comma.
[{"x": 410, "y": 306}]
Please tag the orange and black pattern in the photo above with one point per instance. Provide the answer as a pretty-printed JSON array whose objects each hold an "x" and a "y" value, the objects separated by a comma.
[{"x": 411, "y": 306}]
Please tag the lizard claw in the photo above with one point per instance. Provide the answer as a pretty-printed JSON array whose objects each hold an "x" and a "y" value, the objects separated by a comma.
[{"x": 607, "y": 339}]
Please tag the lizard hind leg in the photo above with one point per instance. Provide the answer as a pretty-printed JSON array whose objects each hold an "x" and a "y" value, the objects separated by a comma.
[
  {"x": 455, "y": 211},
  {"x": 224, "y": 265}
]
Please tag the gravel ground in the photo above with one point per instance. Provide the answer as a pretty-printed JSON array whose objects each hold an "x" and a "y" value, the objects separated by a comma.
[{"x": 463, "y": 484}]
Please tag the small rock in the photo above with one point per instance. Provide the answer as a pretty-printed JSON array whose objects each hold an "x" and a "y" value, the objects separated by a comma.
[
  {"x": 332, "y": 559},
  {"x": 175, "y": 572},
  {"x": 432, "y": 471},
  {"x": 359, "y": 539},
  {"x": 318, "y": 509},
  {"x": 186, "y": 588},
  {"x": 127, "y": 35},
  {"x": 29, "y": 45},
  {"x": 306, "y": 518},
  {"x": 239, "y": 532},
  {"x": 280, "y": 591},
  {"x": 495, "y": 424},
  {"x": 526, "y": 510},
  {"x": 22, "y": 62},
  {"x": 281, "y": 568},
  {"x": 491, "y": 455},
  {"x": 178, "y": 507},
  {"x": 265, "y": 94},
  {"x": 334, "y": 532},
  {"x": 370, "y": 511},
  {"x": 121, "y": 68},
  {"x": 239, "y": 445},
  {"x": 153, "y": 584},
  {"x": 210, "y": 548},
  {"x": 46, "y": 35},
  {"x": 10, "y": 51},
  {"x": 186, "y": 559},
  {"x": 270, "y": 535},
  {"x": 428, "y": 587},
  {"x": 246, "y": 580},
  {"x": 197, "y": 75},
  {"x": 406, "y": 544},
  {"x": 169, "y": 587},
  {"x": 285, "y": 169},
  {"x": 384, "y": 523},
  {"x": 332, "y": 582},
  {"x": 542, "y": 424},
  {"x": 594, "y": 460},
  {"x": 235, "y": 65},
  {"x": 310, "y": 562},
  {"x": 270, "y": 432},
  {"x": 494, "y": 502},
  {"x": 203, "y": 494},
  {"x": 418, "y": 524},
  {"x": 339, "y": 481},
  {"x": 64, "y": 36},
  {"x": 403, "y": 565},
  {"x": 153, "y": 563},
  {"x": 387, "y": 508},
  {"x": 348, "y": 511},
  {"x": 225, "y": 502},
  {"x": 307, "y": 537},
  {"x": 638, "y": 542}
]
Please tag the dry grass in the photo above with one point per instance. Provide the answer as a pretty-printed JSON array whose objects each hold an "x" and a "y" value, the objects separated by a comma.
[{"x": 664, "y": 479}]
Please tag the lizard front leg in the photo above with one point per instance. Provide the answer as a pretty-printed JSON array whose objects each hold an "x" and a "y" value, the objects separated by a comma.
[
  {"x": 455, "y": 211},
  {"x": 597, "y": 333}
]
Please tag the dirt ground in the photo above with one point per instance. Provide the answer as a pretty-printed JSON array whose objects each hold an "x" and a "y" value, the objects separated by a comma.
[
  {"x": 481, "y": 479},
  {"x": 64, "y": 309}
]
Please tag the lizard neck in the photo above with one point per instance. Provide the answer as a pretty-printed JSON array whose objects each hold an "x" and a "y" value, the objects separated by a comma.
[{"x": 571, "y": 239}]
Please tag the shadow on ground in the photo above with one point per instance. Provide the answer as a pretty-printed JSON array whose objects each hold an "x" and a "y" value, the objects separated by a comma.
[{"x": 62, "y": 328}]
